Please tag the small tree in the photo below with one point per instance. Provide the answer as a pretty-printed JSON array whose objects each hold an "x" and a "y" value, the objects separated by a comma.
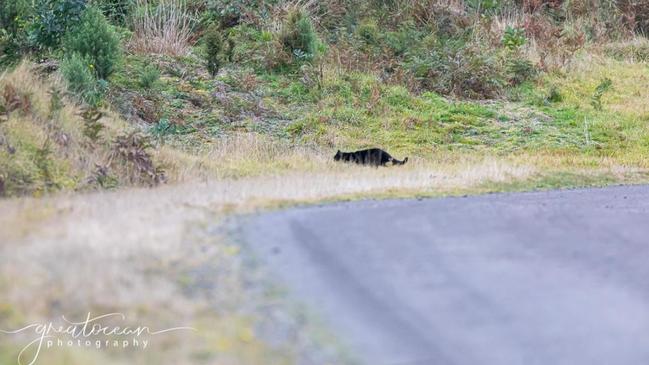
[
  {"x": 298, "y": 35},
  {"x": 95, "y": 39},
  {"x": 81, "y": 79},
  {"x": 213, "y": 48}
]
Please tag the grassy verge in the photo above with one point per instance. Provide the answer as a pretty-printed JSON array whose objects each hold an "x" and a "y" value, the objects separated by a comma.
[
  {"x": 176, "y": 265},
  {"x": 252, "y": 123}
]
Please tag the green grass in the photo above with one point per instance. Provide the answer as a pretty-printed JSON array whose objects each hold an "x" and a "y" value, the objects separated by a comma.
[
  {"x": 553, "y": 116},
  {"x": 359, "y": 111}
]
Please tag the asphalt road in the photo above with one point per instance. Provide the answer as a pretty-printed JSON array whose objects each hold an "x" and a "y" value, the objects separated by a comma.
[{"x": 558, "y": 277}]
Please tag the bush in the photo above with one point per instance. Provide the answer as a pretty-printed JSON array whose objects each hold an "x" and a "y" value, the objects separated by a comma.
[
  {"x": 213, "y": 48},
  {"x": 298, "y": 36},
  {"x": 52, "y": 20},
  {"x": 369, "y": 32},
  {"x": 78, "y": 73},
  {"x": 403, "y": 41},
  {"x": 14, "y": 17},
  {"x": 95, "y": 39},
  {"x": 554, "y": 95},
  {"x": 519, "y": 70},
  {"x": 149, "y": 77},
  {"x": 465, "y": 70},
  {"x": 116, "y": 11},
  {"x": 8, "y": 53},
  {"x": 130, "y": 154},
  {"x": 514, "y": 38},
  {"x": 603, "y": 87},
  {"x": 226, "y": 13}
]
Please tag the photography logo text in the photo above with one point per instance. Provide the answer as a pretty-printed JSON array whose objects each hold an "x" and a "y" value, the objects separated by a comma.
[{"x": 91, "y": 332}]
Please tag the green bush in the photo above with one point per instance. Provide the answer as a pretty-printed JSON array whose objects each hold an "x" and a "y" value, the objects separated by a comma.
[
  {"x": 466, "y": 70},
  {"x": 79, "y": 75},
  {"x": 149, "y": 76},
  {"x": 95, "y": 39},
  {"x": 298, "y": 36},
  {"x": 519, "y": 70},
  {"x": 554, "y": 95},
  {"x": 14, "y": 20},
  {"x": 213, "y": 47},
  {"x": 14, "y": 15},
  {"x": 603, "y": 87},
  {"x": 53, "y": 18},
  {"x": 226, "y": 13},
  {"x": 368, "y": 31},
  {"x": 514, "y": 38},
  {"x": 403, "y": 41},
  {"x": 116, "y": 11}
]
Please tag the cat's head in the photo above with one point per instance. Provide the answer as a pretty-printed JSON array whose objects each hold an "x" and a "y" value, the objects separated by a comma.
[{"x": 338, "y": 156}]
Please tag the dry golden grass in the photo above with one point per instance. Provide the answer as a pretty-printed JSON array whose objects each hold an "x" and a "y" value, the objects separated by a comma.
[{"x": 163, "y": 27}]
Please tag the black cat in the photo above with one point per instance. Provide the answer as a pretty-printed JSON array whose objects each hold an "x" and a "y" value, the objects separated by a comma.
[{"x": 372, "y": 156}]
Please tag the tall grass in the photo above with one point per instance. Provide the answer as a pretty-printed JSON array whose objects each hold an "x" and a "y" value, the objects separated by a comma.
[{"x": 163, "y": 27}]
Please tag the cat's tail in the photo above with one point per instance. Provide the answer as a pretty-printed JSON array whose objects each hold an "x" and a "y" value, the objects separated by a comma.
[{"x": 397, "y": 162}]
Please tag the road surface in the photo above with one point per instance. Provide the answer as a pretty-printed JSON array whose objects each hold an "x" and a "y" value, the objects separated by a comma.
[{"x": 559, "y": 277}]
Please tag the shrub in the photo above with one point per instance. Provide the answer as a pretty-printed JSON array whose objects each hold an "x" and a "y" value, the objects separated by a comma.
[
  {"x": 596, "y": 99},
  {"x": 403, "y": 41},
  {"x": 8, "y": 53},
  {"x": 229, "y": 52},
  {"x": 298, "y": 35},
  {"x": 14, "y": 17},
  {"x": 92, "y": 127},
  {"x": 514, "y": 38},
  {"x": 95, "y": 39},
  {"x": 130, "y": 154},
  {"x": 116, "y": 11},
  {"x": 466, "y": 70},
  {"x": 369, "y": 32},
  {"x": 52, "y": 20},
  {"x": 78, "y": 73},
  {"x": 554, "y": 95},
  {"x": 149, "y": 76},
  {"x": 226, "y": 13},
  {"x": 519, "y": 70},
  {"x": 213, "y": 48}
]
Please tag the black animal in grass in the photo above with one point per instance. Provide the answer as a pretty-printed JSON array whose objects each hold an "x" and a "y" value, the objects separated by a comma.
[{"x": 372, "y": 156}]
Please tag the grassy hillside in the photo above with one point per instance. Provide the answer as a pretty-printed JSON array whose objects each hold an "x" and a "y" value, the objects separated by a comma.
[{"x": 240, "y": 88}]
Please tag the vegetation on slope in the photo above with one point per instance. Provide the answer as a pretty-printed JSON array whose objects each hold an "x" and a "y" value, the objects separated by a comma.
[{"x": 425, "y": 78}]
